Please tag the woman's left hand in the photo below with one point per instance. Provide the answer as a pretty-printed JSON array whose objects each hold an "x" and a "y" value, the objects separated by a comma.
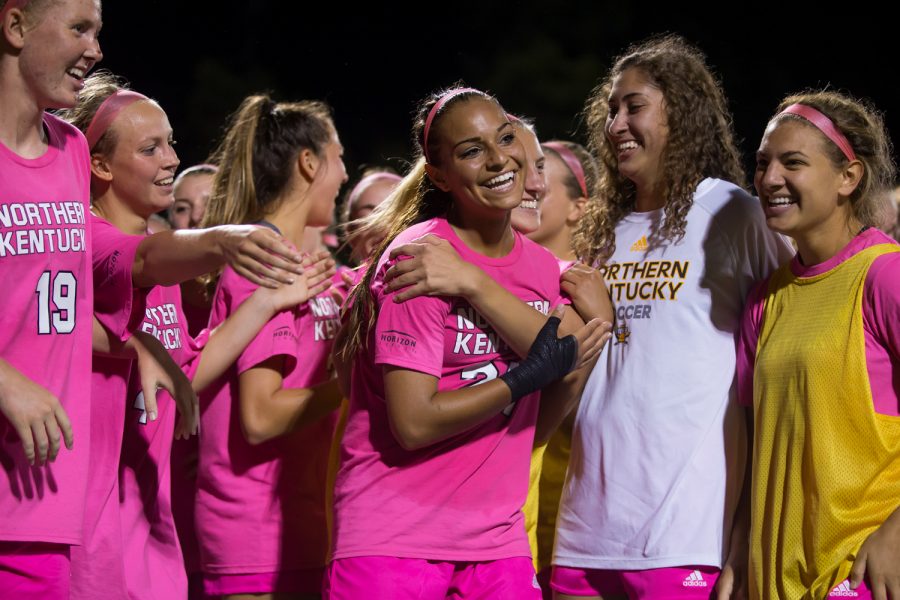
[
  {"x": 585, "y": 286},
  {"x": 878, "y": 561}
]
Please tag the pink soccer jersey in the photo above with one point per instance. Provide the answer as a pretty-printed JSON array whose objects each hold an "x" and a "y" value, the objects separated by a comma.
[
  {"x": 45, "y": 326},
  {"x": 460, "y": 499},
  {"x": 261, "y": 509},
  {"x": 97, "y": 564},
  {"x": 154, "y": 567}
]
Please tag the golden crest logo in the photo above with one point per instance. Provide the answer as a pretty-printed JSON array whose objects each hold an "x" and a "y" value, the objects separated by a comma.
[
  {"x": 640, "y": 245},
  {"x": 622, "y": 334}
]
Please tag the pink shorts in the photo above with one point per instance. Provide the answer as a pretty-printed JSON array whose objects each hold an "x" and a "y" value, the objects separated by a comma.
[
  {"x": 34, "y": 570},
  {"x": 669, "y": 583},
  {"x": 299, "y": 581},
  {"x": 842, "y": 590},
  {"x": 389, "y": 578}
]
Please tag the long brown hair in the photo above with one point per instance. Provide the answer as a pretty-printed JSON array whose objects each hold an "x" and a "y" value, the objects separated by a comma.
[
  {"x": 256, "y": 156},
  {"x": 415, "y": 199},
  {"x": 701, "y": 143}
]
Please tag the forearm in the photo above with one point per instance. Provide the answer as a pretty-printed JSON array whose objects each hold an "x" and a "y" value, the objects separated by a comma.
[
  {"x": 108, "y": 345},
  {"x": 558, "y": 400},
  {"x": 230, "y": 339},
  {"x": 103, "y": 343},
  {"x": 7, "y": 374},
  {"x": 421, "y": 419},
  {"x": 170, "y": 257},
  {"x": 513, "y": 320},
  {"x": 560, "y": 397},
  {"x": 285, "y": 410},
  {"x": 740, "y": 529}
]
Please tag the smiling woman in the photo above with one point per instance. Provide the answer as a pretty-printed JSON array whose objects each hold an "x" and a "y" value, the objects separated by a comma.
[
  {"x": 818, "y": 359},
  {"x": 46, "y": 47},
  {"x": 669, "y": 213},
  {"x": 128, "y": 517},
  {"x": 436, "y": 450},
  {"x": 62, "y": 46}
]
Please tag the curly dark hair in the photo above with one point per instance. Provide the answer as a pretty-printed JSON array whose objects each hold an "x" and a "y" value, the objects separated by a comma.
[{"x": 701, "y": 142}]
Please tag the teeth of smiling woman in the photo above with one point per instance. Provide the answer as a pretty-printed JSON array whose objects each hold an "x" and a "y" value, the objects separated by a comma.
[
  {"x": 76, "y": 73},
  {"x": 781, "y": 201},
  {"x": 627, "y": 146},
  {"x": 167, "y": 181},
  {"x": 499, "y": 180},
  {"x": 532, "y": 204}
]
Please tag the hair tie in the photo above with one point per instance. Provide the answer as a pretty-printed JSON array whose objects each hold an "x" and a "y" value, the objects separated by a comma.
[
  {"x": 572, "y": 162},
  {"x": 366, "y": 181},
  {"x": 107, "y": 112},
  {"x": 823, "y": 124},
  {"x": 450, "y": 95}
]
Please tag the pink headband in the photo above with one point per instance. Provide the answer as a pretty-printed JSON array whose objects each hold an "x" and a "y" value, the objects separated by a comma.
[
  {"x": 823, "y": 124},
  {"x": 434, "y": 110},
  {"x": 107, "y": 113},
  {"x": 366, "y": 181},
  {"x": 11, "y": 4},
  {"x": 572, "y": 162}
]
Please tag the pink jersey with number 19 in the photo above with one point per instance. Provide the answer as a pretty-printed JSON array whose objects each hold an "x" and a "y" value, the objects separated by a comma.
[
  {"x": 45, "y": 326},
  {"x": 460, "y": 499}
]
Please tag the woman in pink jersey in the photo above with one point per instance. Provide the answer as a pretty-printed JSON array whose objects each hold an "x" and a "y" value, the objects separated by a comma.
[
  {"x": 434, "y": 459},
  {"x": 370, "y": 191},
  {"x": 526, "y": 217},
  {"x": 818, "y": 359},
  {"x": 45, "y": 340},
  {"x": 130, "y": 156},
  {"x": 437, "y": 266},
  {"x": 267, "y": 425}
]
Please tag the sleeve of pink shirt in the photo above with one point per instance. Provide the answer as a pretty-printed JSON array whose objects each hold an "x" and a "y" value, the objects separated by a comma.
[
  {"x": 118, "y": 305},
  {"x": 881, "y": 302},
  {"x": 881, "y": 320},
  {"x": 278, "y": 337},
  {"x": 410, "y": 335},
  {"x": 748, "y": 337}
]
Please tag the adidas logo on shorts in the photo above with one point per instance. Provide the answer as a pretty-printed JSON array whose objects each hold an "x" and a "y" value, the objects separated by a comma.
[
  {"x": 695, "y": 579},
  {"x": 843, "y": 591}
]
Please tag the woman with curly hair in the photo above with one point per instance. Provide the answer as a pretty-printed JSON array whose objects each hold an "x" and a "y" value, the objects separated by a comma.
[{"x": 659, "y": 442}]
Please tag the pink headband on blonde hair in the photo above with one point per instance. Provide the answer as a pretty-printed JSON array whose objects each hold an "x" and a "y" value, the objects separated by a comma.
[
  {"x": 434, "y": 110},
  {"x": 107, "y": 112},
  {"x": 11, "y": 4},
  {"x": 823, "y": 124},
  {"x": 368, "y": 180},
  {"x": 572, "y": 162}
]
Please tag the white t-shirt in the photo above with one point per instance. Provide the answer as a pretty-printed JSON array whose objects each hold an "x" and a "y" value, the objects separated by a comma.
[{"x": 659, "y": 445}]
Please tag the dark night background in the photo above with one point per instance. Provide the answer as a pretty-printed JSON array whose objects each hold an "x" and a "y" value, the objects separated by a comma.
[{"x": 200, "y": 58}]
